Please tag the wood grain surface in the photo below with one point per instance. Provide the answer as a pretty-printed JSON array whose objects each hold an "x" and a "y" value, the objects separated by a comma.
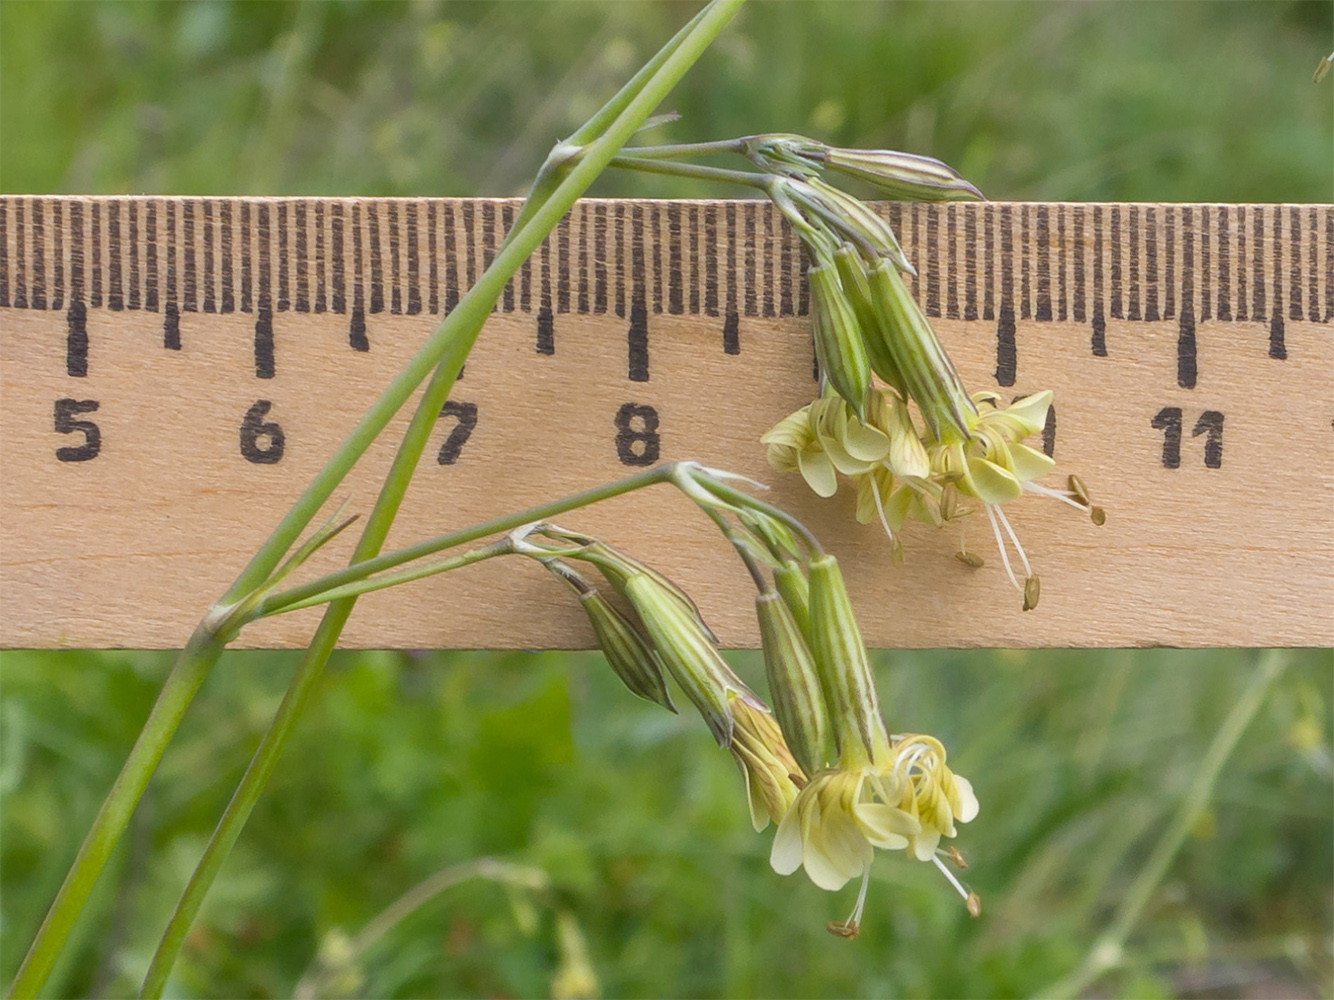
[{"x": 1189, "y": 348}]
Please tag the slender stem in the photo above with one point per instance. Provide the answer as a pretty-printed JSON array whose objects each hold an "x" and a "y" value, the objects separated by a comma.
[
  {"x": 408, "y": 903},
  {"x": 743, "y": 499},
  {"x": 1108, "y": 949},
  {"x": 682, "y": 150},
  {"x": 386, "y": 580},
  {"x": 187, "y": 674},
  {"x": 283, "y": 600},
  {"x": 548, "y": 177},
  {"x": 519, "y": 243},
  {"x": 696, "y": 170},
  {"x": 487, "y": 289},
  {"x": 742, "y": 549}
]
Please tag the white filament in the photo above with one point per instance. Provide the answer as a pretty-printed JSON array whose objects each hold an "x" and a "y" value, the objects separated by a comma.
[
  {"x": 950, "y": 875},
  {"x": 1028, "y": 570},
  {"x": 1000, "y": 544},
  {"x": 1047, "y": 491}
]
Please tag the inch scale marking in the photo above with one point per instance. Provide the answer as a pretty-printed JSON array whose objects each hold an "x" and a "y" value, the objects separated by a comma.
[{"x": 175, "y": 369}]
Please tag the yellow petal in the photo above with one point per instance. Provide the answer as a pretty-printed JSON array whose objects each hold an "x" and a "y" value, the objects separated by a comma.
[
  {"x": 967, "y": 808},
  {"x": 835, "y": 850},
  {"x": 785, "y": 856},
  {"x": 866, "y": 509},
  {"x": 990, "y": 483},
  {"x": 1025, "y": 416},
  {"x": 818, "y": 472},
  {"x": 885, "y": 826},
  {"x": 1029, "y": 463},
  {"x": 896, "y": 511},
  {"x": 925, "y": 843},
  {"x": 782, "y": 458},
  {"x": 865, "y": 443}
]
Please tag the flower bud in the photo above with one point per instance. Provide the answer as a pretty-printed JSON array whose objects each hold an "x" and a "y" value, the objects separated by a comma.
[
  {"x": 852, "y": 275},
  {"x": 845, "y": 672},
  {"x": 794, "y": 684},
  {"x": 853, "y": 220},
  {"x": 790, "y": 579},
  {"x": 927, "y": 371},
  {"x": 902, "y": 176},
  {"x": 688, "y": 654},
  {"x": 617, "y": 567},
  {"x": 628, "y": 653},
  {"x": 838, "y": 340}
]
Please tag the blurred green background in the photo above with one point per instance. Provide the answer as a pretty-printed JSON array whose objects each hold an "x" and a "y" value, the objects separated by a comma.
[{"x": 407, "y": 764}]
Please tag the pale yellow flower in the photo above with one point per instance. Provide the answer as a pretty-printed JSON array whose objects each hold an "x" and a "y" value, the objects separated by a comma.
[
  {"x": 835, "y": 824},
  {"x": 930, "y": 792},
  {"x": 823, "y": 439}
]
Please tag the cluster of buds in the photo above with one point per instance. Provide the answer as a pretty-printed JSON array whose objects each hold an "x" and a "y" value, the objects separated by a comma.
[
  {"x": 970, "y": 449},
  {"x": 820, "y": 764}
]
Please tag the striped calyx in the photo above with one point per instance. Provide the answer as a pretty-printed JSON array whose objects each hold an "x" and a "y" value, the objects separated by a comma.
[
  {"x": 845, "y": 672},
  {"x": 838, "y": 339},
  {"x": 628, "y": 652},
  {"x": 689, "y": 655},
  {"x": 794, "y": 684},
  {"x": 927, "y": 372}
]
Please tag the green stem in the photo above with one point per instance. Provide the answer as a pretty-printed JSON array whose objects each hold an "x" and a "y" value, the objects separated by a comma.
[
  {"x": 681, "y": 150},
  {"x": 188, "y": 673},
  {"x": 408, "y": 903},
  {"x": 743, "y": 499},
  {"x": 549, "y": 182},
  {"x": 303, "y": 593},
  {"x": 387, "y": 580},
  {"x": 742, "y": 549},
  {"x": 548, "y": 176},
  {"x": 488, "y": 288},
  {"x": 695, "y": 170},
  {"x": 1108, "y": 949}
]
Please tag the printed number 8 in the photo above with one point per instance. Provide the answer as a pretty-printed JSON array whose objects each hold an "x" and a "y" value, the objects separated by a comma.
[{"x": 637, "y": 445}]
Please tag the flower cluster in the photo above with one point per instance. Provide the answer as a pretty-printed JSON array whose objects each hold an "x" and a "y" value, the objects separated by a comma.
[
  {"x": 970, "y": 448},
  {"x": 820, "y": 763}
]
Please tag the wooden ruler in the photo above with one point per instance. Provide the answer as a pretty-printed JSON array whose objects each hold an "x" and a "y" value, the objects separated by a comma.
[{"x": 174, "y": 371}]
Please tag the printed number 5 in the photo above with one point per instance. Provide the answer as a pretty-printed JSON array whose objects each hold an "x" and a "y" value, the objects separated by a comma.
[{"x": 66, "y": 411}]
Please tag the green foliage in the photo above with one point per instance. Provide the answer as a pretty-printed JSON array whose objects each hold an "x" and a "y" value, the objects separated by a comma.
[{"x": 409, "y": 763}]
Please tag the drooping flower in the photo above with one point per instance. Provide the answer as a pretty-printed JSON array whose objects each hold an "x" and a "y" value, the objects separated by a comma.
[
  {"x": 835, "y": 824},
  {"x": 824, "y": 438},
  {"x": 772, "y": 775},
  {"x": 995, "y": 466},
  {"x": 929, "y": 792}
]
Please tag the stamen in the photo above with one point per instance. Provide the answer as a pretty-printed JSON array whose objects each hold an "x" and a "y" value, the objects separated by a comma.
[
  {"x": 953, "y": 854},
  {"x": 880, "y": 509},
  {"x": 851, "y": 927},
  {"x": 1066, "y": 498},
  {"x": 1028, "y": 570},
  {"x": 950, "y": 875},
  {"x": 1000, "y": 544}
]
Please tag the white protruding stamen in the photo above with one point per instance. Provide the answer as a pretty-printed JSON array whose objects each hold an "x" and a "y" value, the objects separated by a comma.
[
  {"x": 1028, "y": 570},
  {"x": 880, "y": 508},
  {"x": 856, "y": 918},
  {"x": 1000, "y": 544},
  {"x": 1056, "y": 495},
  {"x": 950, "y": 875}
]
